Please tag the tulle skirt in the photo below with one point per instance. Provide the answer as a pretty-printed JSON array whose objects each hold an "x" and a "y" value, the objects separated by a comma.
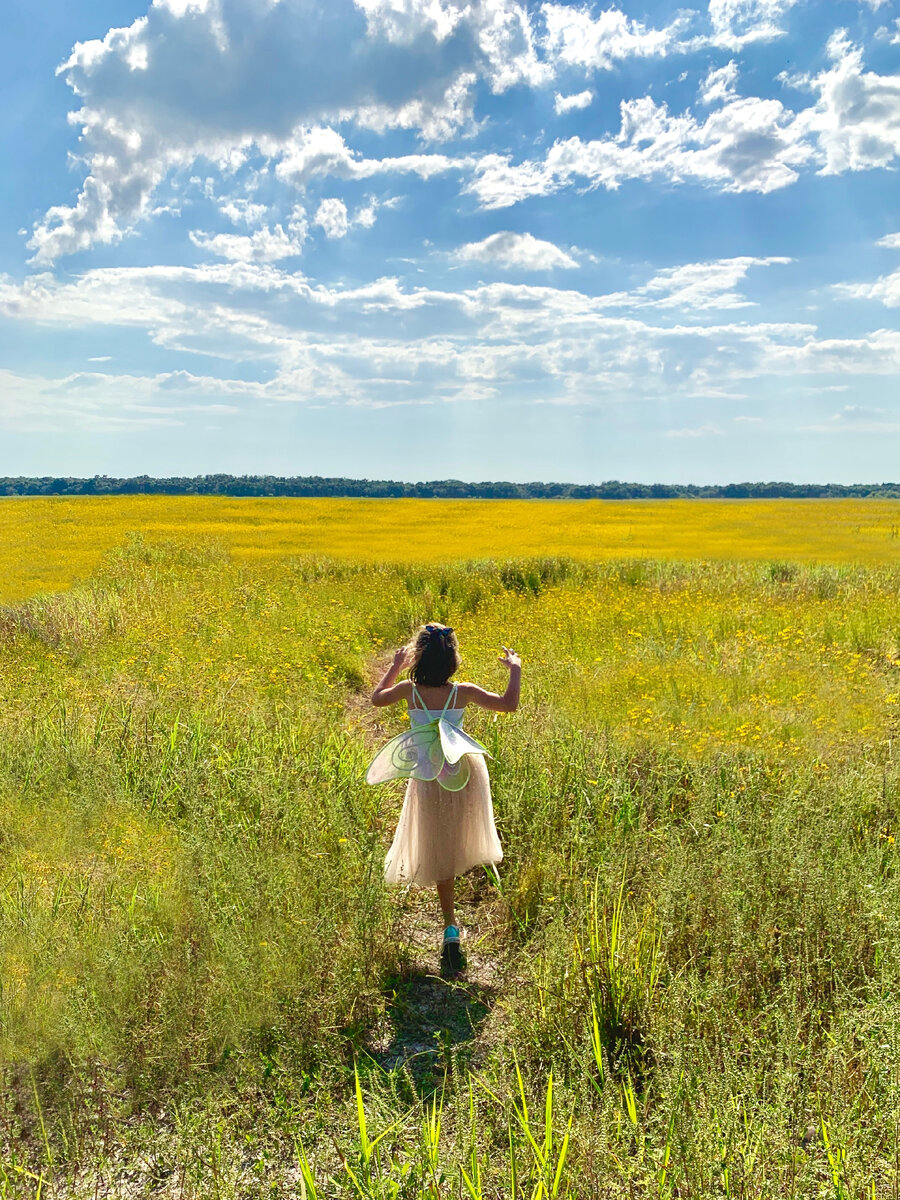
[{"x": 442, "y": 834}]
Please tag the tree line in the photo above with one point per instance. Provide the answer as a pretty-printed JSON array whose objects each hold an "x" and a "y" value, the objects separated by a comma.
[{"x": 445, "y": 489}]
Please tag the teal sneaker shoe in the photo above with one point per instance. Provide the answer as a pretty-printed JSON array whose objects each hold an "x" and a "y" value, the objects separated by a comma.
[{"x": 452, "y": 958}]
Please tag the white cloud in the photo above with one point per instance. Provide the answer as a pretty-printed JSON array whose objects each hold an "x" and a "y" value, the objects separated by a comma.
[
  {"x": 699, "y": 286},
  {"x": 262, "y": 246},
  {"x": 737, "y": 22},
  {"x": 317, "y": 151},
  {"x": 576, "y": 38},
  {"x": 875, "y": 353},
  {"x": 719, "y": 84},
  {"x": 435, "y": 119},
  {"x": 331, "y": 217},
  {"x": 500, "y": 30},
  {"x": 404, "y": 21},
  {"x": 222, "y": 80},
  {"x": 564, "y": 104},
  {"x": 856, "y": 118},
  {"x": 885, "y": 289},
  {"x": 184, "y": 84},
  {"x": 365, "y": 216},
  {"x": 747, "y": 145},
  {"x": 506, "y": 39},
  {"x": 100, "y": 403},
  {"x": 516, "y": 251},
  {"x": 243, "y": 212},
  {"x": 338, "y": 345}
]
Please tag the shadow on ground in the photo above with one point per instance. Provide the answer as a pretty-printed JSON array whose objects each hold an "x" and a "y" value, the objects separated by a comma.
[{"x": 431, "y": 1024}]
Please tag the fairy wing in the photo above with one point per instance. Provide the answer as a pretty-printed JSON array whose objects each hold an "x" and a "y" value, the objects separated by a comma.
[
  {"x": 455, "y": 743},
  {"x": 415, "y": 753}
]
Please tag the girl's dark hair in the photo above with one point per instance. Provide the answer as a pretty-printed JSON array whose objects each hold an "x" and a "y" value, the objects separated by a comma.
[{"x": 434, "y": 656}]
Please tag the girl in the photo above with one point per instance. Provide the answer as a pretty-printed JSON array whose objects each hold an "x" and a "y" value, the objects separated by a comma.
[{"x": 447, "y": 822}]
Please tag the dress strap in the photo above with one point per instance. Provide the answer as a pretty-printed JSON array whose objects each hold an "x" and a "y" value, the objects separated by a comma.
[
  {"x": 449, "y": 700},
  {"x": 420, "y": 703}
]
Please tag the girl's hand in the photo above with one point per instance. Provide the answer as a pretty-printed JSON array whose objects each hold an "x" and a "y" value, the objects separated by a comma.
[
  {"x": 399, "y": 659},
  {"x": 509, "y": 658}
]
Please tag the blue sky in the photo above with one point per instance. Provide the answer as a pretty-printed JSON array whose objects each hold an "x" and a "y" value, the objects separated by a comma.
[{"x": 487, "y": 239}]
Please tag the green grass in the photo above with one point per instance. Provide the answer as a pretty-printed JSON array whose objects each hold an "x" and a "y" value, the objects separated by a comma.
[{"x": 690, "y": 951}]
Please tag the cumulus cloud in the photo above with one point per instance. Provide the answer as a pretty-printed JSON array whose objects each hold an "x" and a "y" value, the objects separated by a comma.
[
  {"x": 719, "y": 84},
  {"x": 331, "y": 217},
  {"x": 241, "y": 211},
  {"x": 577, "y": 38},
  {"x": 318, "y": 151},
  {"x": 885, "y": 289},
  {"x": 405, "y": 21},
  {"x": 262, "y": 246},
  {"x": 746, "y": 144},
  {"x": 335, "y": 221},
  {"x": 564, "y": 104},
  {"x": 222, "y": 80},
  {"x": 225, "y": 82},
  {"x": 501, "y": 31},
  {"x": 516, "y": 251},
  {"x": 737, "y": 22},
  {"x": 856, "y": 116}
]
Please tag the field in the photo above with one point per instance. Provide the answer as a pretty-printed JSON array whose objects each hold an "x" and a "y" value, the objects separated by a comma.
[
  {"x": 684, "y": 977},
  {"x": 46, "y": 544}
]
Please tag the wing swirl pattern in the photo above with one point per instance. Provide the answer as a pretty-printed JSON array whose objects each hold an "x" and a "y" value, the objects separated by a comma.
[{"x": 436, "y": 750}]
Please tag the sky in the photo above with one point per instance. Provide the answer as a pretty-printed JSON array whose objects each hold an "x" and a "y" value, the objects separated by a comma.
[{"x": 472, "y": 239}]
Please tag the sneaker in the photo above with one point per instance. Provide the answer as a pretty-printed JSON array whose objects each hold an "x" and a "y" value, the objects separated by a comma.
[{"x": 452, "y": 958}]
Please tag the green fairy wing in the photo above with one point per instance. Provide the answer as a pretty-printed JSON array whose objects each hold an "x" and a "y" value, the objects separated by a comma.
[
  {"x": 455, "y": 743},
  {"x": 437, "y": 750},
  {"x": 414, "y": 754}
]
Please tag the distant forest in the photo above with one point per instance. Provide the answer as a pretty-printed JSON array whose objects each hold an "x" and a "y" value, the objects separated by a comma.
[{"x": 443, "y": 489}]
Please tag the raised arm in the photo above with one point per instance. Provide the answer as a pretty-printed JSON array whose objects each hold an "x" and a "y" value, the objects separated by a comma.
[
  {"x": 388, "y": 691},
  {"x": 509, "y": 701}
]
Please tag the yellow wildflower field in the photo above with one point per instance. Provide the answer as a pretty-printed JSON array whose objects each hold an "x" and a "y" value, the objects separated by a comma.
[
  {"x": 47, "y": 543},
  {"x": 698, "y": 908}
]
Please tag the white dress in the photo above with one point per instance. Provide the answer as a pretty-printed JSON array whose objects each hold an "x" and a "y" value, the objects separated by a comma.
[{"x": 443, "y": 833}]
